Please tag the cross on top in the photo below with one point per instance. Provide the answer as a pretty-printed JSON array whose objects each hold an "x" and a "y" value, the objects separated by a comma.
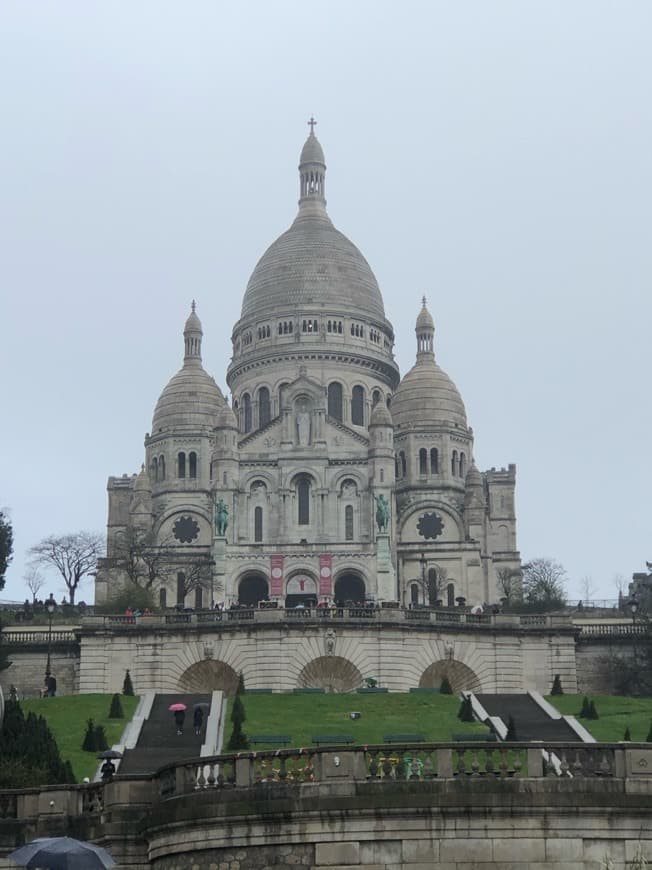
[
  {"x": 311, "y": 124},
  {"x": 423, "y": 299},
  {"x": 193, "y": 306}
]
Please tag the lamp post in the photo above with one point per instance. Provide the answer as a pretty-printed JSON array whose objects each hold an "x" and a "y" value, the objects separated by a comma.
[
  {"x": 633, "y": 606},
  {"x": 50, "y": 606}
]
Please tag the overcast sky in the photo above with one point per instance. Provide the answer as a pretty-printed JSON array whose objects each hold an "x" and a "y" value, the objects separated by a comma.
[{"x": 495, "y": 156}]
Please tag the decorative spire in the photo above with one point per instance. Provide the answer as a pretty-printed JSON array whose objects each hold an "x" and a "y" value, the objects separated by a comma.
[
  {"x": 312, "y": 172},
  {"x": 425, "y": 330},
  {"x": 192, "y": 335}
]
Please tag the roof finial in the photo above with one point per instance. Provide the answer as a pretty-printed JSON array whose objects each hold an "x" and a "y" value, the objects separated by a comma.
[
  {"x": 424, "y": 300},
  {"x": 312, "y": 123},
  {"x": 194, "y": 305}
]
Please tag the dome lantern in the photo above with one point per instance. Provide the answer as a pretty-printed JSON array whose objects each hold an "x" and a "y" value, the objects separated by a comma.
[
  {"x": 425, "y": 330},
  {"x": 312, "y": 172},
  {"x": 192, "y": 336}
]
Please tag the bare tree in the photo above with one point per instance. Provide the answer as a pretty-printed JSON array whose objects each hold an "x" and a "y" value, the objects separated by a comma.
[
  {"x": 587, "y": 589},
  {"x": 143, "y": 558},
  {"x": 621, "y": 586},
  {"x": 544, "y": 583},
  {"x": 34, "y": 580},
  {"x": 432, "y": 582},
  {"x": 197, "y": 574},
  {"x": 509, "y": 582},
  {"x": 74, "y": 556}
]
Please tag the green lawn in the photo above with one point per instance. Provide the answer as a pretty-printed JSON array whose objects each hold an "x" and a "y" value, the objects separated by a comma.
[
  {"x": 616, "y": 713},
  {"x": 304, "y": 716},
  {"x": 67, "y": 717}
]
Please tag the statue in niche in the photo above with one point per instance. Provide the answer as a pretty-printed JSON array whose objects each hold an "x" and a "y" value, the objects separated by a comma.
[
  {"x": 329, "y": 642},
  {"x": 221, "y": 518},
  {"x": 382, "y": 513},
  {"x": 349, "y": 489},
  {"x": 303, "y": 423}
]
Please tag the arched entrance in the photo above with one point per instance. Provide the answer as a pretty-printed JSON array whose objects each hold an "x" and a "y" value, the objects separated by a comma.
[
  {"x": 461, "y": 677},
  {"x": 332, "y": 673},
  {"x": 350, "y": 588},
  {"x": 252, "y": 589},
  {"x": 208, "y": 676},
  {"x": 301, "y": 591}
]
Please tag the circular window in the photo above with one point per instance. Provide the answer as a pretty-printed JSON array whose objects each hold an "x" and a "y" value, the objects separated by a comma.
[{"x": 186, "y": 530}]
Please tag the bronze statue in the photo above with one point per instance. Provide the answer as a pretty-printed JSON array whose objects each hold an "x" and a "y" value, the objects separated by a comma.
[
  {"x": 382, "y": 513},
  {"x": 221, "y": 518}
]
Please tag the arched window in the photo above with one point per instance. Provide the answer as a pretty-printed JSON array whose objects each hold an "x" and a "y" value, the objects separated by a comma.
[
  {"x": 397, "y": 471},
  {"x": 335, "y": 400},
  {"x": 375, "y": 397},
  {"x": 403, "y": 464},
  {"x": 462, "y": 465},
  {"x": 181, "y": 464},
  {"x": 192, "y": 464},
  {"x": 454, "y": 463},
  {"x": 357, "y": 406},
  {"x": 433, "y": 586},
  {"x": 382, "y": 475},
  {"x": 264, "y": 407},
  {"x": 303, "y": 498},
  {"x": 423, "y": 461},
  {"x": 199, "y": 598},
  {"x": 258, "y": 524},
  {"x": 414, "y": 593},
  {"x": 161, "y": 468},
  {"x": 246, "y": 403},
  {"x": 450, "y": 595},
  {"x": 434, "y": 461},
  {"x": 163, "y": 598},
  {"x": 348, "y": 522},
  {"x": 155, "y": 469},
  {"x": 181, "y": 588}
]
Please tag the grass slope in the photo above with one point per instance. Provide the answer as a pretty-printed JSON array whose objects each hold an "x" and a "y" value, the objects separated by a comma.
[
  {"x": 616, "y": 713},
  {"x": 304, "y": 716},
  {"x": 67, "y": 717}
]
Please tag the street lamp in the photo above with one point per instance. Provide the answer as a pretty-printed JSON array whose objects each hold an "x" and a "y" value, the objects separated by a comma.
[{"x": 50, "y": 606}]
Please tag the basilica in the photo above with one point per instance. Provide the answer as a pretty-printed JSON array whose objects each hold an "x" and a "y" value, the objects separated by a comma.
[{"x": 328, "y": 478}]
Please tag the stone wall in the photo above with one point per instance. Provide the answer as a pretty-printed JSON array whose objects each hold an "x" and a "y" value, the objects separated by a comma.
[
  {"x": 27, "y": 671},
  {"x": 169, "y": 658},
  {"x": 597, "y": 664}
]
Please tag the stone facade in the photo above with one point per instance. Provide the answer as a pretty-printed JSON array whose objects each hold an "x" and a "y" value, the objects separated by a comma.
[{"x": 328, "y": 476}]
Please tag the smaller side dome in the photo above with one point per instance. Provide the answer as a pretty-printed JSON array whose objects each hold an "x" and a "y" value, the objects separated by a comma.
[
  {"x": 226, "y": 419},
  {"x": 312, "y": 152},
  {"x": 424, "y": 320},
  {"x": 380, "y": 415}
]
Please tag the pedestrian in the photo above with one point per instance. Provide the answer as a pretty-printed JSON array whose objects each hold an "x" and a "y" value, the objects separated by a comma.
[
  {"x": 107, "y": 770},
  {"x": 51, "y": 684},
  {"x": 198, "y": 719},
  {"x": 179, "y": 719}
]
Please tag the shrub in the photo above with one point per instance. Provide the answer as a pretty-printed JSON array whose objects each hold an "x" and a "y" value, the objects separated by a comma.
[
  {"x": 89, "y": 743},
  {"x": 593, "y": 713},
  {"x": 465, "y": 713},
  {"x": 127, "y": 685},
  {"x": 238, "y": 739},
  {"x": 238, "y": 711},
  {"x": 241, "y": 684},
  {"x": 556, "y": 686},
  {"x": 511, "y": 729},
  {"x": 101, "y": 742},
  {"x": 445, "y": 687},
  {"x": 116, "y": 711},
  {"x": 29, "y": 754},
  {"x": 133, "y": 597},
  {"x": 585, "y": 711},
  {"x": 627, "y": 735}
]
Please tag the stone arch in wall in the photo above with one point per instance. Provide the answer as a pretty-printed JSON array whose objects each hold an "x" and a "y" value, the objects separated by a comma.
[
  {"x": 208, "y": 676},
  {"x": 461, "y": 677},
  {"x": 332, "y": 673}
]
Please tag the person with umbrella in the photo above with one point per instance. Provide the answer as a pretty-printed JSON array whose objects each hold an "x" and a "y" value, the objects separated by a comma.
[
  {"x": 198, "y": 717},
  {"x": 62, "y": 853},
  {"x": 108, "y": 769},
  {"x": 179, "y": 711}
]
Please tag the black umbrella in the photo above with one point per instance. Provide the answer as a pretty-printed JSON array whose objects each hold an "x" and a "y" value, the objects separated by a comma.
[
  {"x": 110, "y": 753},
  {"x": 202, "y": 705},
  {"x": 62, "y": 853}
]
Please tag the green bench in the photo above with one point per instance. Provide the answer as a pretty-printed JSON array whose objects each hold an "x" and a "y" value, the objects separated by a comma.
[
  {"x": 273, "y": 739},
  {"x": 403, "y": 738},
  {"x": 489, "y": 737},
  {"x": 258, "y": 691},
  {"x": 328, "y": 739},
  {"x": 423, "y": 691},
  {"x": 308, "y": 691}
]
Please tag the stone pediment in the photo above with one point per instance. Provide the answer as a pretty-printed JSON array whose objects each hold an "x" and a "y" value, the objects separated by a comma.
[
  {"x": 304, "y": 386},
  {"x": 262, "y": 440},
  {"x": 342, "y": 436}
]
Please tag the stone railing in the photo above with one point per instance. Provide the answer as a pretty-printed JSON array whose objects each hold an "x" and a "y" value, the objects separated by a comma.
[
  {"x": 612, "y": 630},
  {"x": 41, "y": 637},
  {"x": 453, "y": 617}
]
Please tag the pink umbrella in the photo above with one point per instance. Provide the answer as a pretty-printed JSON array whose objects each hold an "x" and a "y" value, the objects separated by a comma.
[{"x": 175, "y": 707}]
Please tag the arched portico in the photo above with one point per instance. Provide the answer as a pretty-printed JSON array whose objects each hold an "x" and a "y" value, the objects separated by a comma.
[
  {"x": 253, "y": 588},
  {"x": 461, "y": 677},
  {"x": 208, "y": 676},
  {"x": 301, "y": 590},
  {"x": 332, "y": 673},
  {"x": 350, "y": 587}
]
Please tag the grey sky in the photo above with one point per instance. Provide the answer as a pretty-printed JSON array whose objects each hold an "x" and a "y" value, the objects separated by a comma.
[{"x": 493, "y": 155}]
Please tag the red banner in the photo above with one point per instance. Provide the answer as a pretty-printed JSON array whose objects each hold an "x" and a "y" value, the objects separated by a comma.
[
  {"x": 325, "y": 574},
  {"x": 276, "y": 572}
]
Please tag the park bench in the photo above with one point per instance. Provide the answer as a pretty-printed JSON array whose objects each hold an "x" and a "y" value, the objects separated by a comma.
[
  {"x": 329, "y": 739},
  {"x": 273, "y": 739},
  {"x": 488, "y": 737},
  {"x": 258, "y": 691},
  {"x": 309, "y": 691},
  {"x": 403, "y": 738}
]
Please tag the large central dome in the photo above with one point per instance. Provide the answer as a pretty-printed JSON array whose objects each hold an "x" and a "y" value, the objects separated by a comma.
[{"x": 312, "y": 263}]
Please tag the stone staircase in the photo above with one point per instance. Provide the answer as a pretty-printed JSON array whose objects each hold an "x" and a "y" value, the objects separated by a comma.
[
  {"x": 159, "y": 743},
  {"x": 530, "y": 720}
]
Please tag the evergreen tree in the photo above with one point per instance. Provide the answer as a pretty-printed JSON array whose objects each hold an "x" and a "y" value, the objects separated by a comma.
[
  {"x": 238, "y": 711},
  {"x": 89, "y": 744},
  {"x": 593, "y": 713},
  {"x": 445, "y": 688},
  {"x": 585, "y": 711},
  {"x": 29, "y": 755},
  {"x": 465, "y": 713},
  {"x": 627, "y": 735},
  {"x": 6, "y": 546},
  {"x": 511, "y": 729},
  {"x": 101, "y": 742},
  {"x": 238, "y": 739},
  {"x": 127, "y": 685},
  {"x": 556, "y": 686},
  {"x": 116, "y": 711},
  {"x": 241, "y": 684}
]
